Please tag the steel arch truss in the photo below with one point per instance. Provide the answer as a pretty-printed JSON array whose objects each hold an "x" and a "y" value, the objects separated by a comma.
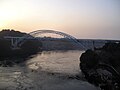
[{"x": 39, "y": 32}]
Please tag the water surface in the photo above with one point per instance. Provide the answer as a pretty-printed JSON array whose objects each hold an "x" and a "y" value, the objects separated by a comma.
[
  {"x": 56, "y": 61},
  {"x": 49, "y": 70}
]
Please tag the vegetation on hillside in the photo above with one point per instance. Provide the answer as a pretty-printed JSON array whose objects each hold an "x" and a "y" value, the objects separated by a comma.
[{"x": 28, "y": 48}]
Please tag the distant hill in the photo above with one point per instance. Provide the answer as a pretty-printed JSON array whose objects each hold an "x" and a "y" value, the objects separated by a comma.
[
  {"x": 29, "y": 46},
  {"x": 11, "y": 32}
]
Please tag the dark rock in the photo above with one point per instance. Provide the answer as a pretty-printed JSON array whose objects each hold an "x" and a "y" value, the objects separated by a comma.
[
  {"x": 29, "y": 47},
  {"x": 101, "y": 67}
]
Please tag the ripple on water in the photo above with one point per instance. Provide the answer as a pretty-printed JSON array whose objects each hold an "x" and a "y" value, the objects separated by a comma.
[
  {"x": 49, "y": 71},
  {"x": 59, "y": 61}
]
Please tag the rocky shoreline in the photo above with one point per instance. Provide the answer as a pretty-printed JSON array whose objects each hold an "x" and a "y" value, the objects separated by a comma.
[
  {"x": 101, "y": 67},
  {"x": 9, "y": 56}
]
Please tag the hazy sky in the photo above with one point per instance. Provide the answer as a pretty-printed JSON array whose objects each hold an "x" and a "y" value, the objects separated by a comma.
[{"x": 80, "y": 18}]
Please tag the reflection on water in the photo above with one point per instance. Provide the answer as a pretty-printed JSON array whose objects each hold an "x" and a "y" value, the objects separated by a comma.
[
  {"x": 45, "y": 71},
  {"x": 56, "y": 61}
]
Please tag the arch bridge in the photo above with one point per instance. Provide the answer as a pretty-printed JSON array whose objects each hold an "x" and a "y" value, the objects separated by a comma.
[{"x": 18, "y": 41}]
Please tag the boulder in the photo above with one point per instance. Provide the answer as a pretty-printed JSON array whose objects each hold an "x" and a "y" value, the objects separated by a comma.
[{"x": 102, "y": 66}]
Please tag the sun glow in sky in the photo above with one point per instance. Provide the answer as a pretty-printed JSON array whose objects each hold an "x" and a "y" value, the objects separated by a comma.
[{"x": 81, "y": 18}]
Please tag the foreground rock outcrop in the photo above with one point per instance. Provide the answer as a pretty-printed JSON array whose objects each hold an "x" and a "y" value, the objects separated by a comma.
[{"x": 101, "y": 67}]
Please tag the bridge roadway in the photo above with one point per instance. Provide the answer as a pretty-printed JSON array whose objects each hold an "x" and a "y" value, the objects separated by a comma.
[{"x": 18, "y": 41}]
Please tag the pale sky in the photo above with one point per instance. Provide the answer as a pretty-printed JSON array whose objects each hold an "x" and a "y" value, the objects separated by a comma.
[{"x": 88, "y": 19}]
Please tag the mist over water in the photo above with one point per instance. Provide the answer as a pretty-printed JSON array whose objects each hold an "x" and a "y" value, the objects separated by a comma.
[
  {"x": 56, "y": 61},
  {"x": 49, "y": 70}
]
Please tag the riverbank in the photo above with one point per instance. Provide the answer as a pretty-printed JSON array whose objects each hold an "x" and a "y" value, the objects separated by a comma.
[
  {"x": 9, "y": 56},
  {"x": 101, "y": 67}
]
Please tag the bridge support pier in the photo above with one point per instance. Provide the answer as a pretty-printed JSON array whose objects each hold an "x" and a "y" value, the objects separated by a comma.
[{"x": 13, "y": 41}]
